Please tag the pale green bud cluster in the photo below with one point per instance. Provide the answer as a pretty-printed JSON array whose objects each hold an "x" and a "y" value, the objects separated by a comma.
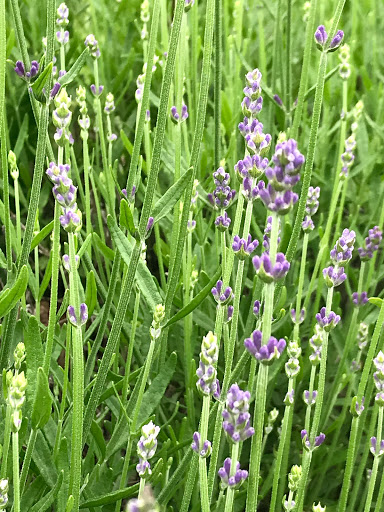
[
  {"x": 292, "y": 366},
  {"x": 318, "y": 508},
  {"x": 356, "y": 113},
  {"x": 3, "y": 493},
  {"x": 344, "y": 66},
  {"x": 158, "y": 317},
  {"x": 272, "y": 417},
  {"x": 294, "y": 477},
  {"x": 13, "y": 165},
  {"x": 19, "y": 355},
  {"x": 16, "y": 396}
]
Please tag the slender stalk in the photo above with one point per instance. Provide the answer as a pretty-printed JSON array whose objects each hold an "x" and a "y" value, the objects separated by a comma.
[
  {"x": 218, "y": 80},
  {"x": 6, "y": 443},
  {"x": 288, "y": 92},
  {"x": 204, "y": 496},
  {"x": 27, "y": 459},
  {"x": 372, "y": 480},
  {"x": 230, "y": 490},
  {"x": 16, "y": 469}
]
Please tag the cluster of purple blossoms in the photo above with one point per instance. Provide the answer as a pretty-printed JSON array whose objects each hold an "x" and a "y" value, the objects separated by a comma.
[
  {"x": 78, "y": 320},
  {"x": 236, "y": 417},
  {"x": 377, "y": 449},
  {"x": 223, "y": 222},
  {"x": 321, "y": 38},
  {"x": 207, "y": 382},
  {"x": 243, "y": 248},
  {"x": 202, "y": 449},
  {"x": 362, "y": 336},
  {"x": 371, "y": 244},
  {"x": 359, "y": 299},
  {"x": 327, "y": 322},
  {"x": 63, "y": 13},
  {"x": 234, "y": 481},
  {"x": 27, "y": 75},
  {"x": 256, "y": 307},
  {"x": 269, "y": 272},
  {"x": 347, "y": 158},
  {"x": 62, "y": 117},
  {"x": 267, "y": 353},
  {"x": 340, "y": 254},
  {"x": 220, "y": 295},
  {"x": 146, "y": 448},
  {"x": 252, "y": 166},
  {"x": 298, "y": 318},
  {"x": 256, "y": 140},
  {"x": 65, "y": 194},
  {"x": 277, "y": 195},
  {"x": 319, "y": 440},
  {"x": 311, "y": 208},
  {"x": 267, "y": 233},
  {"x": 66, "y": 262},
  {"x": 222, "y": 195},
  {"x": 309, "y": 398},
  {"x": 316, "y": 345},
  {"x": 175, "y": 116}
]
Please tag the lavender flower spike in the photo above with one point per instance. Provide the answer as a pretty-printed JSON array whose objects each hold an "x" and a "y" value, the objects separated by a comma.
[
  {"x": 234, "y": 481},
  {"x": 327, "y": 322},
  {"x": 223, "y": 222},
  {"x": 146, "y": 447},
  {"x": 244, "y": 248},
  {"x": 221, "y": 296},
  {"x": 73, "y": 318},
  {"x": 268, "y": 272},
  {"x": 334, "y": 276},
  {"x": 236, "y": 415},
  {"x": 264, "y": 353},
  {"x": 342, "y": 251},
  {"x": 371, "y": 244},
  {"x": 336, "y": 41},
  {"x": 207, "y": 382},
  {"x": 203, "y": 450},
  {"x": 321, "y": 37}
]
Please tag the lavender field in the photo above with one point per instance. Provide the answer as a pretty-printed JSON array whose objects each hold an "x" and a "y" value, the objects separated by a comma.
[{"x": 191, "y": 256}]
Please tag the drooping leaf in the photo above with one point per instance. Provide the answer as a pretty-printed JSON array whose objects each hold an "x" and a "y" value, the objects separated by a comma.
[
  {"x": 376, "y": 301},
  {"x": 41, "y": 235},
  {"x": 75, "y": 69},
  {"x": 43, "y": 401},
  {"x": 196, "y": 300},
  {"x": 144, "y": 277},
  {"x": 10, "y": 296},
  {"x": 172, "y": 195}
]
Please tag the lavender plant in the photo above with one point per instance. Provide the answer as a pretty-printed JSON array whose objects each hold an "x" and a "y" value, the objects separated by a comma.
[{"x": 191, "y": 299}]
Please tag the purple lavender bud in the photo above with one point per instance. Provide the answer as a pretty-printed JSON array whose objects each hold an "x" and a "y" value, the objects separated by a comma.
[
  {"x": 207, "y": 382},
  {"x": 147, "y": 116},
  {"x": 371, "y": 244},
  {"x": 76, "y": 320},
  {"x": 143, "y": 468},
  {"x": 278, "y": 100},
  {"x": 174, "y": 115},
  {"x": 298, "y": 319},
  {"x": 203, "y": 451},
  {"x": 221, "y": 296},
  {"x": 327, "y": 322},
  {"x": 184, "y": 112},
  {"x": 319, "y": 440},
  {"x": 306, "y": 442},
  {"x": 55, "y": 89},
  {"x": 98, "y": 92},
  {"x": 256, "y": 307},
  {"x": 376, "y": 450},
  {"x": 58, "y": 174},
  {"x": 66, "y": 262},
  {"x": 264, "y": 353},
  {"x": 229, "y": 313},
  {"x": 150, "y": 224},
  {"x": 309, "y": 398},
  {"x": 223, "y": 222},
  {"x": 112, "y": 137},
  {"x": 289, "y": 398},
  {"x": 359, "y": 300},
  {"x": 342, "y": 251},
  {"x": 71, "y": 219},
  {"x": 279, "y": 202},
  {"x": 191, "y": 225},
  {"x": 65, "y": 196},
  {"x": 63, "y": 13},
  {"x": 312, "y": 203},
  {"x": 251, "y": 166},
  {"x": 321, "y": 36},
  {"x": 307, "y": 224},
  {"x": 62, "y": 37},
  {"x": 336, "y": 41},
  {"x": 221, "y": 178},
  {"x": 124, "y": 192},
  {"x": 334, "y": 276},
  {"x": 19, "y": 69},
  {"x": 34, "y": 68},
  {"x": 249, "y": 191},
  {"x": 251, "y": 108},
  {"x": 146, "y": 447},
  {"x": 244, "y": 248},
  {"x": 356, "y": 408},
  {"x": 91, "y": 43},
  {"x": 234, "y": 481},
  {"x": 236, "y": 416},
  {"x": 268, "y": 272}
]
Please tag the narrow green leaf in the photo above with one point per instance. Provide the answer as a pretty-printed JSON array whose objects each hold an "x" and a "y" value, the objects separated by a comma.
[
  {"x": 47, "y": 500},
  {"x": 91, "y": 292},
  {"x": 106, "y": 251},
  {"x": 196, "y": 300},
  {"x": 75, "y": 69},
  {"x": 84, "y": 245},
  {"x": 43, "y": 79},
  {"x": 376, "y": 301},
  {"x": 43, "y": 401},
  {"x": 34, "y": 357},
  {"x": 41, "y": 235},
  {"x": 111, "y": 497},
  {"x": 42, "y": 457},
  {"x": 10, "y": 297},
  {"x": 98, "y": 436},
  {"x": 144, "y": 277},
  {"x": 172, "y": 195},
  {"x": 47, "y": 277},
  {"x": 126, "y": 218}
]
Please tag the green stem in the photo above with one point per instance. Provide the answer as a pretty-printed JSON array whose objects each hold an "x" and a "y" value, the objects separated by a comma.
[
  {"x": 376, "y": 460},
  {"x": 27, "y": 459},
  {"x": 16, "y": 474},
  {"x": 204, "y": 496},
  {"x": 6, "y": 442},
  {"x": 218, "y": 80},
  {"x": 231, "y": 490}
]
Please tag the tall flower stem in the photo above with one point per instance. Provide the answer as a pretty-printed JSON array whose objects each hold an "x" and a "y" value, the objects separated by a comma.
[
  {"x": 16, "y": 474},
  {"x": 6, "y": 443},
  {"x": 262, "y": 379},
  {"x": 372, "y": 480},
  {"x": 355, "y": 421},
  {"x": 231, "y": 490},
  {"x": 204, "y": 496},
  {"x": 307, "y": 455},
  {"x": 288, "y": 91},
  {"x": 78, "y": 380},
  {"x": 218, "y": 80}
]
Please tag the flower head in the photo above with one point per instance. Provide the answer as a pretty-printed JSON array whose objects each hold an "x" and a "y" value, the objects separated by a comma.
[
  {"x": 236, "y": 415},
  {"x": 269, "y": 272},
  {"x": 207, "y": 382},
  {"x": 371, "y": 244},
  {"x": 93, "y": 45},
  {"x": 334, "y": 276},
  {"x": 220, "y": 295},
  {"x": 244, "y": 247},
  {"x": 327, "y": 322},
  {"x": 235, "y": 480},
  {"x": 267, "y": 353}
]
